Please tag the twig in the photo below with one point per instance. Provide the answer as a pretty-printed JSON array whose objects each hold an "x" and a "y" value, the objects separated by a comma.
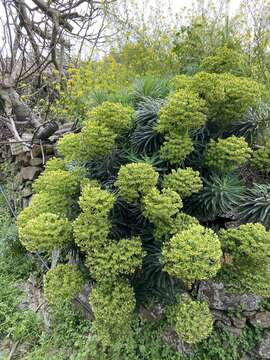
[{"x": 14, "y": 347}]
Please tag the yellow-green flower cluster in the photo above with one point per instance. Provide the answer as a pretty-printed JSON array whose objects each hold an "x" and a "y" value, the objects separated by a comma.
[
  {"x": 54, "y": 164},
  {"x": 44, "y": 224},
  {"x": 113, "y": 307},
  {"x": 92, "y": 227},
  {"x": 116, "y": 260},
  {"x": 116, "y": 117},
  {"x": 160, "y": 207},
  {"x": 107, "y": 260},
  {"x": 261, "y": 158},
  {"x": 183, "y": 111},
  {"x": 44, "y": 203},
  {"x": 226, "y": 155},
  {"x": 45, "y": 232},
  {"x": 69, "y": 146},
  {"x": 135, "y": 180},
  {"x": 249, "y": 247},
  {"x": 227, "y": 97},
  {"x": 62, "y": 283},
  {"x": 58, "y": 182},
  {"x": 176, "y": 148},
  {"x": 192, "y": 320},
  {"x": 184, "y": 181},
  {"x": 247, "y": 240},
  {"x": 182, "y": 221},
  {"x": 192, "y": 254},
  {"x": 93, "y": 142}
]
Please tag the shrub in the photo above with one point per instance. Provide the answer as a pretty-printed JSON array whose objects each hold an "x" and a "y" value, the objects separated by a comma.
[
  {"x": 192, "y": 320},
  {"x": 176, "y": 148},
  {"x": 261, "y": 158},
  {"x": 183, "y": 111},
  {"x": 220, "y": 196},
  {"x": 135, "y": 181},
  {"x": 183, "y": 181},
  {"x": 113, "y": 308},
  {"x": 226, "y": 155},
  {"x": 254, "y": 206},
  {"x": 193, "y": 254},
  {"x": 45, "y": 233},
  {"x": 160, "y": 207},
  {"x": 116, "y": 117},
  {"x": 115, "y": 260},
  {"x": 62, "y": 283}
]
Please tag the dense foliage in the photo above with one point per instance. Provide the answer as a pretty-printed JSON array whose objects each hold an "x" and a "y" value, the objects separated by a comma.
[{"x": 164, "y": 183}]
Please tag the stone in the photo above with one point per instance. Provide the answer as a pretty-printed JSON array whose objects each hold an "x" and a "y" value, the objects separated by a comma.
[
  {"x": 23, "y": 158},
  {"x": 49, "y": 149},
  {"x": 30, "y": 172},
  {"x": 25, "y": 202},
  {"x": 263, "y": 349},
  {"x": 18, "y": 180},
  {"x": 220, "y": 316},
  {"x": 36, "y": 162},
  {"x": 261, "y": 319},
  {"x": 26, "y": 192},
  {"x": 239, "y": 323},
  {"x": 217, "y": 298},
  {"x": 171, "y": 338},
  {"x": 153, "y": 313},
  {"x": 231, "y": 329},
  {"x": 249, "y": 314},
  {"x": 36, "y": 151}
]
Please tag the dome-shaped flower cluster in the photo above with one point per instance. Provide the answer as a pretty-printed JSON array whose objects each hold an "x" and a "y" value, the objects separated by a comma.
[{"x": 62, "y": 283}]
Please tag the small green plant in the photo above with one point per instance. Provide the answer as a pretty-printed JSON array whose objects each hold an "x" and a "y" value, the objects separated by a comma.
[
  {"x": 62, "y": 283},
  {"x": 254, "y": 206},
  {"x": 193, "y": 254},
  {"x": 192, "y": 320},
  {"x": 220, "y": 196}
]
